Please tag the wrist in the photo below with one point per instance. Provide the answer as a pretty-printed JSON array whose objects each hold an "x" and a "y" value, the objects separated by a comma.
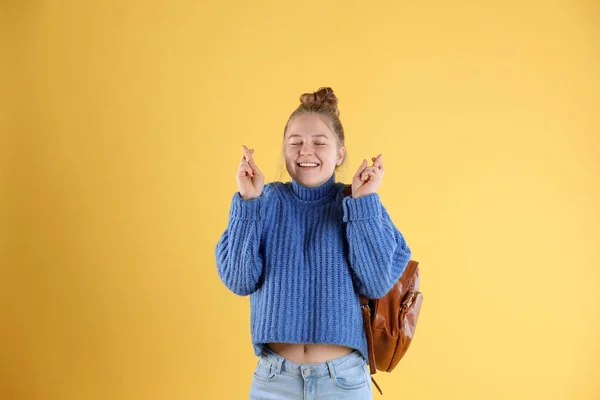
[
  {"x": 249, "y": 197},
  {"x": 358, "y": 196}
]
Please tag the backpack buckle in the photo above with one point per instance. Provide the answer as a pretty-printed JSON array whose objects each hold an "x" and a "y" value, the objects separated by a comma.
[{"x": 408, "y": 300}]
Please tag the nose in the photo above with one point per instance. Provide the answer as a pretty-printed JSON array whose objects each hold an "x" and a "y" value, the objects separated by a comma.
[{"x": 305, "y": 150}]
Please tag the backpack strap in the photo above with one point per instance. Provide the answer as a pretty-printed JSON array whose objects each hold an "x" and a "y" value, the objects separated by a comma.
[
  {"x": 366, "y": 314},
  {"x": 347, "y": 190}
]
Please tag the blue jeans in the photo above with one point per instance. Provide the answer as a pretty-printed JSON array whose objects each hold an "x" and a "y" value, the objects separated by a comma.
[{"x": 278, "y": 378}]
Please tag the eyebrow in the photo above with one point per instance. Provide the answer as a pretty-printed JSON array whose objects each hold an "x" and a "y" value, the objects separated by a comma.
[{"x": 313, "y": 135}]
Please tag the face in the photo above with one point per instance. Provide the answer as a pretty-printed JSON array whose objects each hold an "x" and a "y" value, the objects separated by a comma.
[{"x": 311, "y": 150}]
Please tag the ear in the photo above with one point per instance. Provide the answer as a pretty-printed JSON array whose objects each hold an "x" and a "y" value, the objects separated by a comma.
[{"x": 341, "y": 154}]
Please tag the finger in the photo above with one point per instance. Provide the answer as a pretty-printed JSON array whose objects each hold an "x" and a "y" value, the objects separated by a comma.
[
  {"x": 244, "y": 165},
  {"x": 369, "y": 175},
  {"x": 361, "y": 169},
  {"x": 377, "y": 161},
  {"x": 247, "y": 153},
  {"x": 367, "y": 172},
  {"x": 251, "y": 162},
  {"x": 375, "y": 173},
  {"x": 363, "y": 174},
  {"x": 372, "y": 171},
  {"x": 372, "y": 168},
  {"x": 253, "y": 167},
  {"x": 245, "y": 172}
]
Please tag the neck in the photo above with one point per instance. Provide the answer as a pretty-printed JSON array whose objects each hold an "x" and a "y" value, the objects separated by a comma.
[{"x": 313, "y": 193}]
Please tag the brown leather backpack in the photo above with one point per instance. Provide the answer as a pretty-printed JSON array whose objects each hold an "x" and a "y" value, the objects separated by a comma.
[{"x": 390, "y": 321}]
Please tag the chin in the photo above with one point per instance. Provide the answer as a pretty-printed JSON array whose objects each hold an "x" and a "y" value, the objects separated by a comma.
[{"x": 310, "y": 181}]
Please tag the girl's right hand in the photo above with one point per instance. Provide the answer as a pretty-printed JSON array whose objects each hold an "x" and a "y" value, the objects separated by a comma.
[{"x": 249, "y": 178}]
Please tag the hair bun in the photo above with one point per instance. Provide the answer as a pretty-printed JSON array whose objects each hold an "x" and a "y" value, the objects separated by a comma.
[{"x": 322, "y": 98}]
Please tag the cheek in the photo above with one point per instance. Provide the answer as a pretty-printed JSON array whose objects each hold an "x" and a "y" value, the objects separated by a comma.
[
  {"x": 329, "y": 155},
  {"x": 289, "y": 158}
]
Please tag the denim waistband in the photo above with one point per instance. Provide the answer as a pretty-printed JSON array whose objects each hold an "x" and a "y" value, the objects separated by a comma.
[{"x": 325, "y": 368}]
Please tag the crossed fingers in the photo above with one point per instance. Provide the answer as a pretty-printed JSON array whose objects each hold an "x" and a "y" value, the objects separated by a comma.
[
  {"x": 247, "y": 163},
  {"x": 376, "y": 170}
]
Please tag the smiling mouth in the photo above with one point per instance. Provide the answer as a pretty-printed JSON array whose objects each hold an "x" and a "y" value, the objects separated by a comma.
[{"x": 307, "y": 165}]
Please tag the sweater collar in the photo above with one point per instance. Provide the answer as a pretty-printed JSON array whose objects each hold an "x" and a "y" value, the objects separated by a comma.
[{"x": 313, "y": 193}]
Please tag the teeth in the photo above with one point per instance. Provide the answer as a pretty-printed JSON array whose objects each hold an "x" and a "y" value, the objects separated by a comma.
[{"x": 307, "y": 165}]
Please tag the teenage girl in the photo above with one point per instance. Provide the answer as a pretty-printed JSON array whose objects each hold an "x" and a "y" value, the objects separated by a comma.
[{"x": 304, "y": 253}]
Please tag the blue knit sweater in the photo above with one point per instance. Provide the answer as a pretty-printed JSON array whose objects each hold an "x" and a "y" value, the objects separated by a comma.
[{"x": 303, "y": 255}]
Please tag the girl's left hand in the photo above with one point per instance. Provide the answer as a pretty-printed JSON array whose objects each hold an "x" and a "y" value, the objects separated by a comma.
[{"x": 368, "y": 179}]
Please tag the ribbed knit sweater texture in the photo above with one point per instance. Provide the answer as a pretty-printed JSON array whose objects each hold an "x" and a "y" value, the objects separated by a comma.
[{"x": 304, "y": 255}]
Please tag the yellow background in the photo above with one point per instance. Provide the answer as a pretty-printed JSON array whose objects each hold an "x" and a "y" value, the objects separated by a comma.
[{"x": 122, "y": 124}]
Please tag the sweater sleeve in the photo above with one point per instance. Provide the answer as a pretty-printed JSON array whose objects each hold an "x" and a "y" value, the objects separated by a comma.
[
  {"x": 378, "y": 253},
  {"x": 239, "y": 260}
]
